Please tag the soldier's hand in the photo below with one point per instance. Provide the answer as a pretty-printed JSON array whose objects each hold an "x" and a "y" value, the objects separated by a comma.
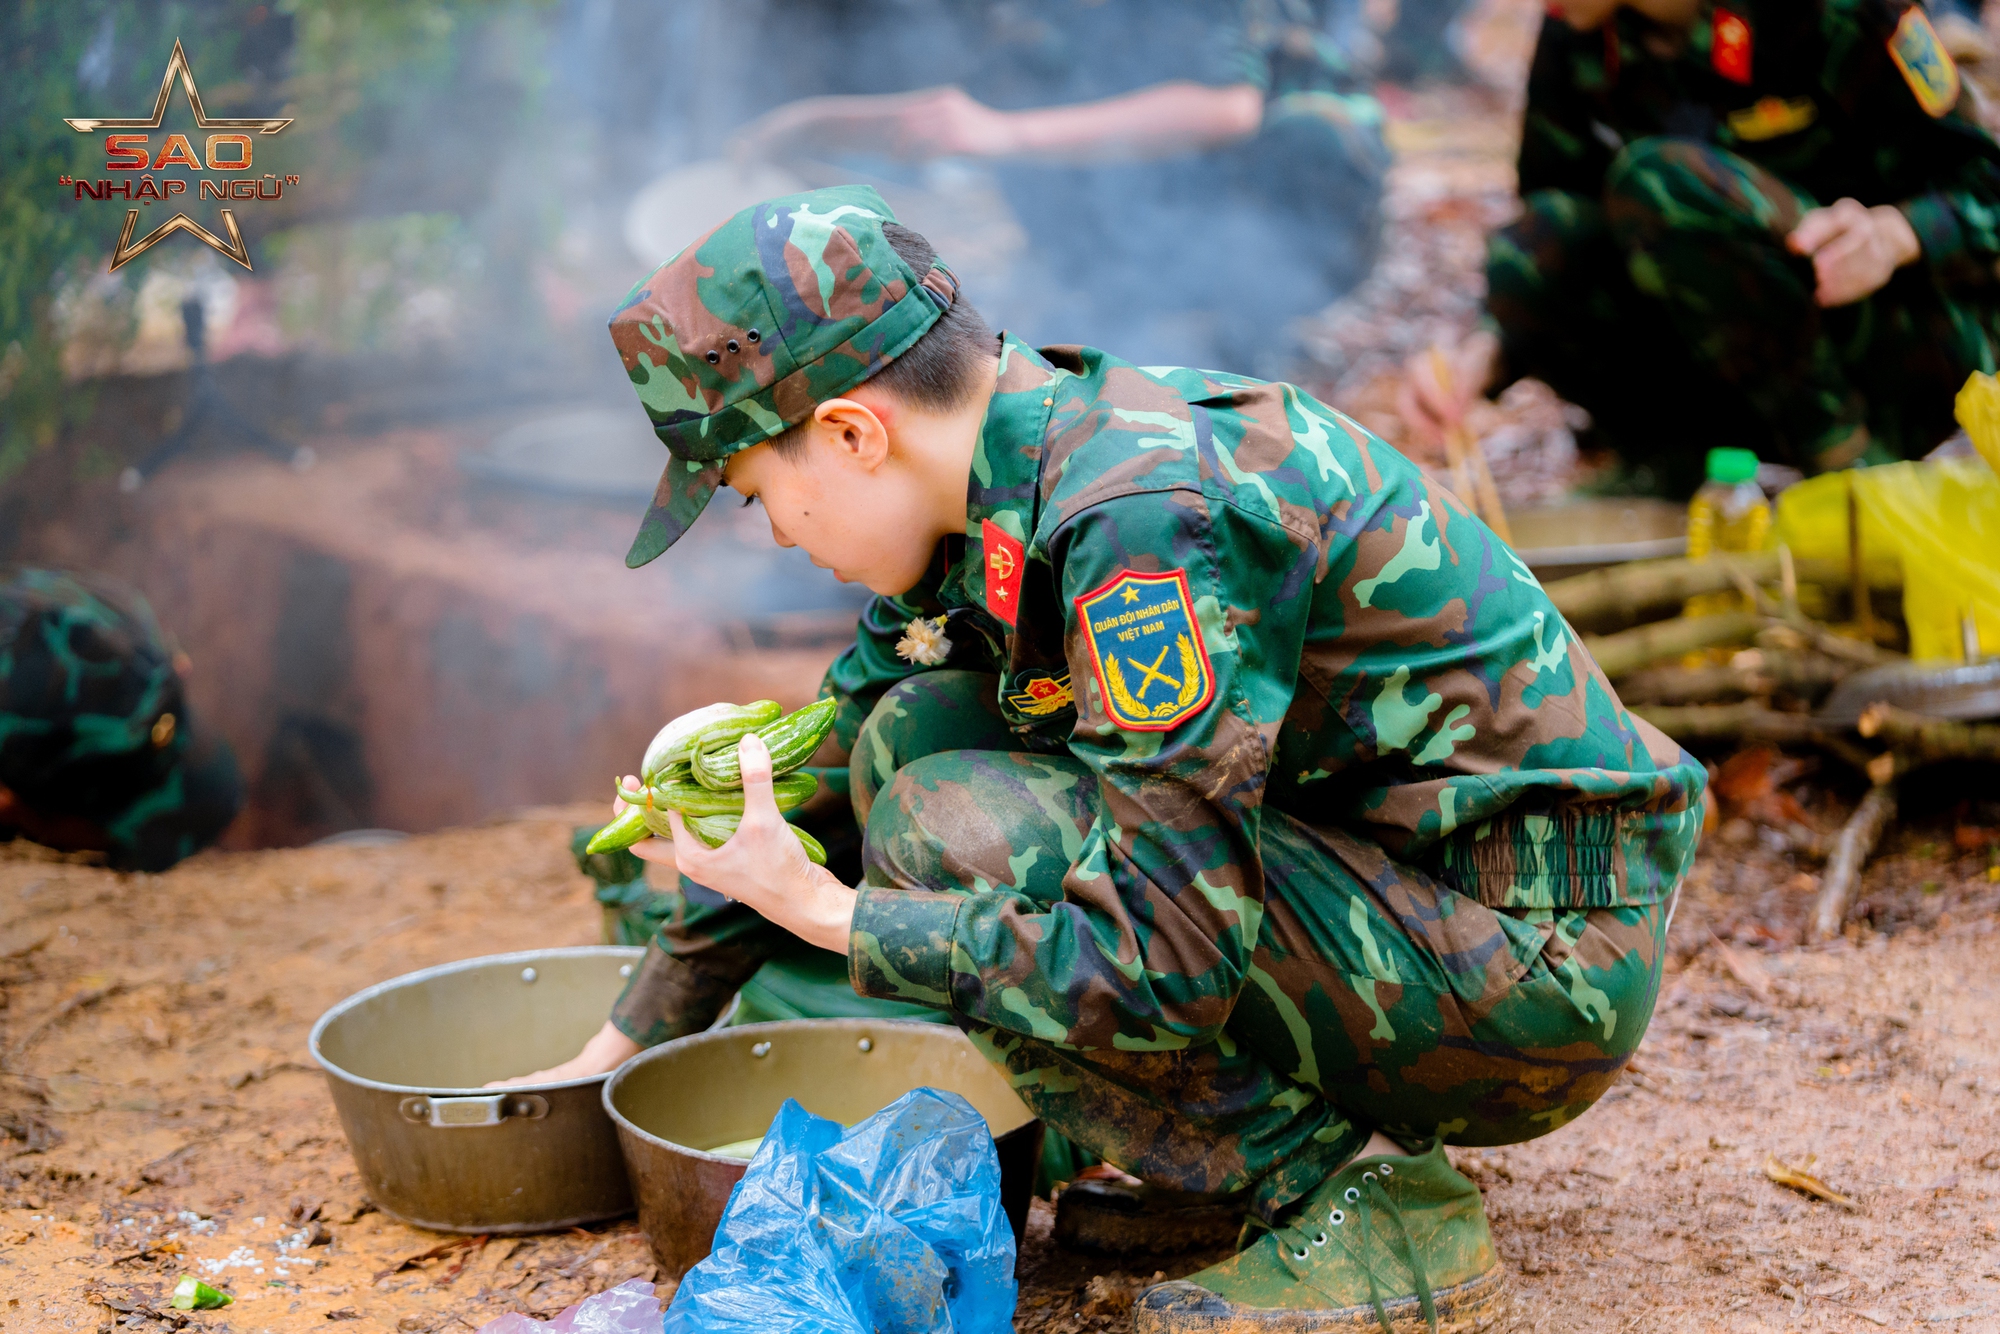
[
  {"x": 1854, "y": 249},
  {"x": 1431, "y": 403},
  {"x": 606, "y": 1051},
  {"x": 762, "y": 865},
  {"x": 928, "y": 123},
  {"x": 646, "y": 849}
]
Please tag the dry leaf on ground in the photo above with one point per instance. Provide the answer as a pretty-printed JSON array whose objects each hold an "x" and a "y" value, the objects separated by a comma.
[{"x": 1804, "y": 1182}]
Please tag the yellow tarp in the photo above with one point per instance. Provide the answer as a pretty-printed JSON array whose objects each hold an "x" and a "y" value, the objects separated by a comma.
[{"x": 1937, "y": 524}]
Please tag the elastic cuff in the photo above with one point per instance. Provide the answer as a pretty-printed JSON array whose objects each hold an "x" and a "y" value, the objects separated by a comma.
[
  {"x": 667, "y": 999},
  {"x": 1935, "y": 222},
  {"x": 900, "y": 947}
]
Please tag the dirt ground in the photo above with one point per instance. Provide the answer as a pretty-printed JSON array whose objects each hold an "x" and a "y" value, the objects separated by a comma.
[{"x": 161, "y": 1114}]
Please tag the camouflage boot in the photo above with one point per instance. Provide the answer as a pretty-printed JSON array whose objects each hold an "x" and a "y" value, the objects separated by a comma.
[{"x": 1398, "y": 1244}]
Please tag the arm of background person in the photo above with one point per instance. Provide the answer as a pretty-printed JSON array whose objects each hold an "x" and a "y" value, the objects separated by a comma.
[
  {"x": 1944, "y": 169},
  {"x": 1162, "y": 119}
]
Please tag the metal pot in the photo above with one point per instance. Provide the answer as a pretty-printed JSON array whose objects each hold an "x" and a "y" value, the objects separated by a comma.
[
  {"x": 1587, "y": 533},
  {"x": 725, "y": 1085},
  {"x": 406, "y": 1058}
]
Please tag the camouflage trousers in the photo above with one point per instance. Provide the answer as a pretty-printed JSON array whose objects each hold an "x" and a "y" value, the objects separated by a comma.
[
  {"x": 1676, "y": 288},
  {"x": 1377, "y": 997}
]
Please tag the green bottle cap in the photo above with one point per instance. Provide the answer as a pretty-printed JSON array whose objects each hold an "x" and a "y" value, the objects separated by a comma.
[{"x": 1732, "y": 466}]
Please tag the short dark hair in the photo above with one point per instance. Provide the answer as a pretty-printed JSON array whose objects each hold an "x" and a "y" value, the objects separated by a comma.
[{"x": 940, "y": 370}]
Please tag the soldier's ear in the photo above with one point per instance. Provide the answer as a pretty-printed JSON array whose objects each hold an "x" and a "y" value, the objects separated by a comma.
[{"x": 852, "y": 432}]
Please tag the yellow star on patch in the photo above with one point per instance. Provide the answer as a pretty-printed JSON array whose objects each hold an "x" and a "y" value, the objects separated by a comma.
[{"x": 1131, "y": 594}]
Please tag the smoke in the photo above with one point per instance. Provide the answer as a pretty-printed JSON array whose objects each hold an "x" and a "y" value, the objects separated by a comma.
[{"x": 435, "y": 621}]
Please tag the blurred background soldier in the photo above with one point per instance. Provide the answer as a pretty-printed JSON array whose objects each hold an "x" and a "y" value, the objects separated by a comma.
[
  {"x": 1190, "y": 176},
  {"x": 98, "y": 750},
  {"x": 1749, "y": 224}
]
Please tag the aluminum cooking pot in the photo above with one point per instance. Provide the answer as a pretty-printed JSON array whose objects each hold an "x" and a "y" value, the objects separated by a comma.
[
  {"x": 406, "y": 1058},
  {"x": 678, "y": 1100}
]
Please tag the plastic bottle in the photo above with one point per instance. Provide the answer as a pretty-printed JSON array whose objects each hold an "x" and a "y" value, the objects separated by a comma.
[{"x": 1729, "y": 513}]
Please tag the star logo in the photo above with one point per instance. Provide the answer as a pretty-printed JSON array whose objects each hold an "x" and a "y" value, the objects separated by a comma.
[
  {"x": 179, "y": 153},
  {"x": 1130, "y": 594}
]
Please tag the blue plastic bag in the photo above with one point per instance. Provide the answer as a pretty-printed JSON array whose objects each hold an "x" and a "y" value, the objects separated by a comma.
[{"x": 892, "y": 1226}]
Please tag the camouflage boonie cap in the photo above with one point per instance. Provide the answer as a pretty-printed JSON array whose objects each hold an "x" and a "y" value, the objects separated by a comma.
[
  {"x": 789, "y": 303},
  {"x": 94, "y": 723}
]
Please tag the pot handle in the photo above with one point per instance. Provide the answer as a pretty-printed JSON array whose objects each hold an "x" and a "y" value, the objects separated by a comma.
[{"x": 488, "y": 1109}]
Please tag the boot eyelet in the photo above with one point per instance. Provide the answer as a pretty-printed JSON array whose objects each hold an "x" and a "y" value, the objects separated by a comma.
[
  {"x": 1387, "y": 1170},
  {"x": 1320, "y": 1240},
  {"x": 1367, "y": 1176},
  {"x": 1298, "y": 1255},
  {"x": 1336, "y": 1218},
  {"x": 1352, "y": 1194}
]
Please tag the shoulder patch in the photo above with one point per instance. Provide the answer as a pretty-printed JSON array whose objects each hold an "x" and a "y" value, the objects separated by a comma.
[
  {"x": 1004, "y": 559},
  {"x": 1729, "y": 46},
  {"x": 1926, "y": 66},
  {"x": 1146, "y": 649}
]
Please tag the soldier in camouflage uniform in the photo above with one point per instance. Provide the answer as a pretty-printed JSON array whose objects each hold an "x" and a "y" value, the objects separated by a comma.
[
  {"x": 98, "y": 749},
  {"x": 1783, "y": 219},
  {"x": 1223, "y": 778},
  {"x": 1118, "y": 134}
]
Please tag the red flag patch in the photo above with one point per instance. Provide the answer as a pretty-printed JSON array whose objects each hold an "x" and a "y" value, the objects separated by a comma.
[
  {"x": 1004, "y": 561},
  {"x": 1729, "y": 47}
]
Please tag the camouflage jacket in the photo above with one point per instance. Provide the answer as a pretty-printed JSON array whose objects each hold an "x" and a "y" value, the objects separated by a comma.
[
  {"x": 1219, "y": 594},
  {"x": 1841, "y": 98}
]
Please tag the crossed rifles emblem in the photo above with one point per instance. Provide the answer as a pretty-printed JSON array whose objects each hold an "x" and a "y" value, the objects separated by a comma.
[{"x": 1153, "y": 673}]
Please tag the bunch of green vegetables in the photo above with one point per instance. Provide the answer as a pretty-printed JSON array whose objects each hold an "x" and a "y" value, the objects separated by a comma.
[{"x": 692, "y": 767}]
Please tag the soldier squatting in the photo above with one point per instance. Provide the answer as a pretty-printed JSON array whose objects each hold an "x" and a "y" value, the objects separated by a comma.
[
  {"x": 1220, "y": 775},
  {"x": 1223, "y": 778}
]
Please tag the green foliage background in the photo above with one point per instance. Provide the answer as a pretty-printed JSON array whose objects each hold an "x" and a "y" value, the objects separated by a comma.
[{"x": 349, "y": 71}]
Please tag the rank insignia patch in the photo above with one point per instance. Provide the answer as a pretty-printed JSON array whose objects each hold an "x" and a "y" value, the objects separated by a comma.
[
  {"x": 1729, "y": 46},
  {"x": 1770, "y": 117},
  {"x": 1042, "y": 696},
  {"x": 1146, "y": 650},
  {"x": 1004, "y": 559},
  {"x": 1927, "y": 67}
]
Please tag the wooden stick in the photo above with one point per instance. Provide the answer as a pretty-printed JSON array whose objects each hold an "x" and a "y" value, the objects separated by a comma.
[
  {"x": 1624, "y": 595},
  {"x": 1850, "y": 853},
  {"x": 1857, "y": 575},
  {"x": 1806, "y": 674},
  {"x": 1629, "y": 650},
  {"x": 1921, "y": 736},
  {"x": 1472, "y": 476},
  {"x": 1489, "y": 494},
  {"x": 1712, "y": 722},
  {"x": 1792, "y": 633},
  {"x": 1751, "y": 721}
]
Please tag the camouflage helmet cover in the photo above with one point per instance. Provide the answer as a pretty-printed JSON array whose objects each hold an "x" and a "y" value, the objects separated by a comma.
[
  {"x": 94, "y": 722},
  {"x": 790, "y": 302}
]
